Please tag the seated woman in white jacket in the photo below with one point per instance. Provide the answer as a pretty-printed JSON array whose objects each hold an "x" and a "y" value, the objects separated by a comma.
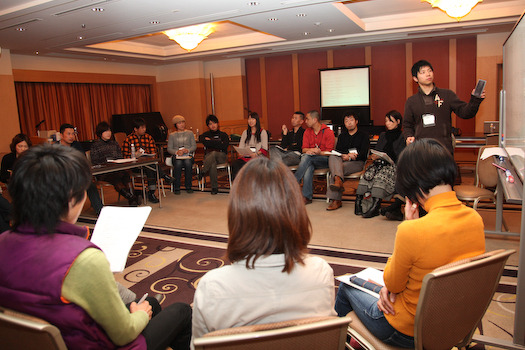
[{"x": 271, "y": 278}]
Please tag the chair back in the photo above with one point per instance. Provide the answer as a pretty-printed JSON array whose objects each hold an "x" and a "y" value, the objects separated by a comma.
[
  {"x": 20, "y": 331},
  {"x": 454, "y": 298},
  {"x": 120, "y": 137},
  {"x": 306, "y": 334},
  {"x": 486, "y": 173}
]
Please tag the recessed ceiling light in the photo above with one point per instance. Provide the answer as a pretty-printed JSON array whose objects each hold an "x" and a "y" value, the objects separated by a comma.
[
  {"x": 253, "y": 3},
  {"x": 154, "y": 22},
  {"x": 331, "y": 30},
  {"x": 97, "y": 9},
  {"x": 36, "y": 52},
  {"x": 20, "y": 29},
  {"x": 301, "y": 15},
  {"x": 317, "y": 23},
  {"x": 306, "y": 33},
  {"x": 80, "y": 37},
  {"x": 273, "y": 19}
]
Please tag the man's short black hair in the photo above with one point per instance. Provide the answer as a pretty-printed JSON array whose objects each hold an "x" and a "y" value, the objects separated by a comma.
[
  {"x": 212, "y": 118},
  {"x": 299, "y": 113},
  {"x": 138, "y": 122},
  {"x": 65, "y": 126},
  {"x": 352, "y": 113},
  {"x": 418, "y": 65},
  {"x": 101, "y": 128},
  {"x": 423, "y": 165},
  {"x": 45, "y": 179}
]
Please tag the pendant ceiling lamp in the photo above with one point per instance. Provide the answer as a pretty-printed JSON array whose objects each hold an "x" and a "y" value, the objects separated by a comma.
[
  {"x": 190, "y": 37},
  {"x": 454, "y": 8}
]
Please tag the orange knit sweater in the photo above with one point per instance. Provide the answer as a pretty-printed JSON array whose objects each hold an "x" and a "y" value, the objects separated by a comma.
[{"x": 449, "y": 232}]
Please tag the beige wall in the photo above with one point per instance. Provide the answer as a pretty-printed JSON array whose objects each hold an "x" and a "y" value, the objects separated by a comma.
[
  {"x": 489, "y": 55},
  {"x": 9, "y": 112}
]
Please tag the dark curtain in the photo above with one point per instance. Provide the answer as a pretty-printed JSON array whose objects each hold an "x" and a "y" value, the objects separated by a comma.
[{"x": 83, "y": 105}]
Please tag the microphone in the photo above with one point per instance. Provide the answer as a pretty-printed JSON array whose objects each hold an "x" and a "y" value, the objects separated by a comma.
[{"x": 41, "y": 122}]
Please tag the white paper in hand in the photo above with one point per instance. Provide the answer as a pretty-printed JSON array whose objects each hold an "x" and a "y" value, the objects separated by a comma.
[{"x": 116, "y": 230}]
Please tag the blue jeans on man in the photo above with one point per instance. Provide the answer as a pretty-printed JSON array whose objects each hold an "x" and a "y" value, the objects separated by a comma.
[
  {"x": 365, "y": 306},
  {"x": 306, "y": 169}
]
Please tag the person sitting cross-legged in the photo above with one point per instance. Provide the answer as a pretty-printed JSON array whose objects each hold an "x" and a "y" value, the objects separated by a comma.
[
  {"x": 449, "y": 232},
  {"x": 216, "y": 150},
  {"x": 318, "y": 141},
  {"x": 353, "y": 144}
]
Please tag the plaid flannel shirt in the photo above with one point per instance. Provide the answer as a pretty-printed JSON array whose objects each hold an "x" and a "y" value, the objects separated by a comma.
[{"x": 145, "y": 142}]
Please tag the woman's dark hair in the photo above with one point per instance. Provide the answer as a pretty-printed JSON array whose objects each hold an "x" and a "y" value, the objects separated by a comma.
[
  {"x": 255, "y": 116},
  {"x": 266, "y": 215},
  {"x": 418, "y": 65},
  {"x": 394, "y": 114},
  {"x": 212, "y": 118},
  {"x": 45, "y": 179},
  {"x": 101, "y": 128},
  {"x": 17, "y": 139},
  {"x": 422, "y": 166}
]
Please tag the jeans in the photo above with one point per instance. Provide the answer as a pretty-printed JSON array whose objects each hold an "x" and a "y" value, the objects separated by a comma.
[
  {"x": 365, "y": 307},
  {"x": 178, "y": 164},
  {"x": 306, "y": 169}
]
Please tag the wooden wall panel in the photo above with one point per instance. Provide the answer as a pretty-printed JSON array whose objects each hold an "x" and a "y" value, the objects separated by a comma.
[
  {"x": 309, "y": 84},
  {"x": 436, "y": 52},
  {"x": 387, "y": 81},
  {"x": 10, "y": 120},
  {"x": 354, "y": 56},
  {"x": 185, "y": 97},
  {"x": 253, "y": 85},
  {"x": 466, "y": 78},
  {"x": 279, "y": 92}
]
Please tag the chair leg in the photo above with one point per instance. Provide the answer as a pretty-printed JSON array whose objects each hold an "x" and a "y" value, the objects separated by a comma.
[
  {"x": 230, "y": 176},
  {"x": 102, "y": 195}
]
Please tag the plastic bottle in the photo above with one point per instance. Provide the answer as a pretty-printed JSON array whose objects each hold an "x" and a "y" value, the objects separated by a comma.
[
  {"x": 197, "y": 135},
  {"x": 132, "y": 151}
]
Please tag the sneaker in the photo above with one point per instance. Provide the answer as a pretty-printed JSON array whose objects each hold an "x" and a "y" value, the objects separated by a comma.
[
  {"x": 214, "y": 190},
  {"x": 152, "y": 197}
]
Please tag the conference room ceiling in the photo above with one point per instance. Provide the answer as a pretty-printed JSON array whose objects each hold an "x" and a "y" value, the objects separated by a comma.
[{"x": 131, "y": 30}]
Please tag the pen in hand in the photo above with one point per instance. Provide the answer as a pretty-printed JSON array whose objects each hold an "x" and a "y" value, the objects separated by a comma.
[{"x": 143, "y": 298}]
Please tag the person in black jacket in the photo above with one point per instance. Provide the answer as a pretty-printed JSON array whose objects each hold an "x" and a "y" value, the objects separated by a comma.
[
  {"x": 19, "y": 145},
  {"x": 216, "y": 150},
  {"x": 291, "y": 142}
]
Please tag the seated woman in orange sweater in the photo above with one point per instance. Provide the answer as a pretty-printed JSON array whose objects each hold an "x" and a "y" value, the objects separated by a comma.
[{"x": 449, "y": 232}]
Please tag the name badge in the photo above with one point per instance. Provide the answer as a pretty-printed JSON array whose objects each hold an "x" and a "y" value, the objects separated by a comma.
[{"x": 429, "y": 120}]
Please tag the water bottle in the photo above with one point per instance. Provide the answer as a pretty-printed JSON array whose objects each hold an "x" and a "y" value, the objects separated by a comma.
[
  {"x": 132, "y": 151},
  {"x": 197, "y": 137}
]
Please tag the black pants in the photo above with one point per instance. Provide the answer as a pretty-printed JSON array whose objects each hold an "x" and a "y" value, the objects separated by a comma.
[{"x": 170, "y": 326}]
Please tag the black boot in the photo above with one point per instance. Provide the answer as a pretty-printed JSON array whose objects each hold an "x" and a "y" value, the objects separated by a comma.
[
  {"x": 374, "y": 209},
  {"x": 151, "y": 197},
  {"x": 358, "y": 200},
  {"x": 132, "y": 199}
]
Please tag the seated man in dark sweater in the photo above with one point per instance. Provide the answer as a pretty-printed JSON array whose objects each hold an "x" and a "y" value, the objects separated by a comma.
[
  {"x": 67, "y": 138},
  {"x": 291, "y": 142},
  {"x": 216, "y": 150},
  {"x": 353, "y": 144}
]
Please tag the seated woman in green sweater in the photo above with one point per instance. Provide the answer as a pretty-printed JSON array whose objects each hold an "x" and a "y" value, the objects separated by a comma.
[{"x": 63, "y": 278}]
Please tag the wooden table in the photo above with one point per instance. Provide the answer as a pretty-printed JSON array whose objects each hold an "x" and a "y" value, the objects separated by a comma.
[{"x": 139, "y": 163}]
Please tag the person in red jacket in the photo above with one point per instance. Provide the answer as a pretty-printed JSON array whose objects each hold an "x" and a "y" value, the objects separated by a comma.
[{"x": 318, "y": 142}]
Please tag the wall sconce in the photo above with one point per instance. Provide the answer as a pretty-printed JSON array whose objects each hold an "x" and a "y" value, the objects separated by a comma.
[
  {"x": 190, "y": 37},
  {"x": 454, "y": 8}
]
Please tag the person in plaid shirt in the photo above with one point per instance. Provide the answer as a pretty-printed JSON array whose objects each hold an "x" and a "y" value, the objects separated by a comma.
[{"x": 144, "y": 144}]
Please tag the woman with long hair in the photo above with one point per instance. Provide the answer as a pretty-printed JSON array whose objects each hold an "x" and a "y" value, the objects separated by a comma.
[
  {"x": 272, "y": 278},
  {"x": 255, "y": 138},
  {"x": 379, "y": 178},
  {"x": 449, "y": 232}
]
